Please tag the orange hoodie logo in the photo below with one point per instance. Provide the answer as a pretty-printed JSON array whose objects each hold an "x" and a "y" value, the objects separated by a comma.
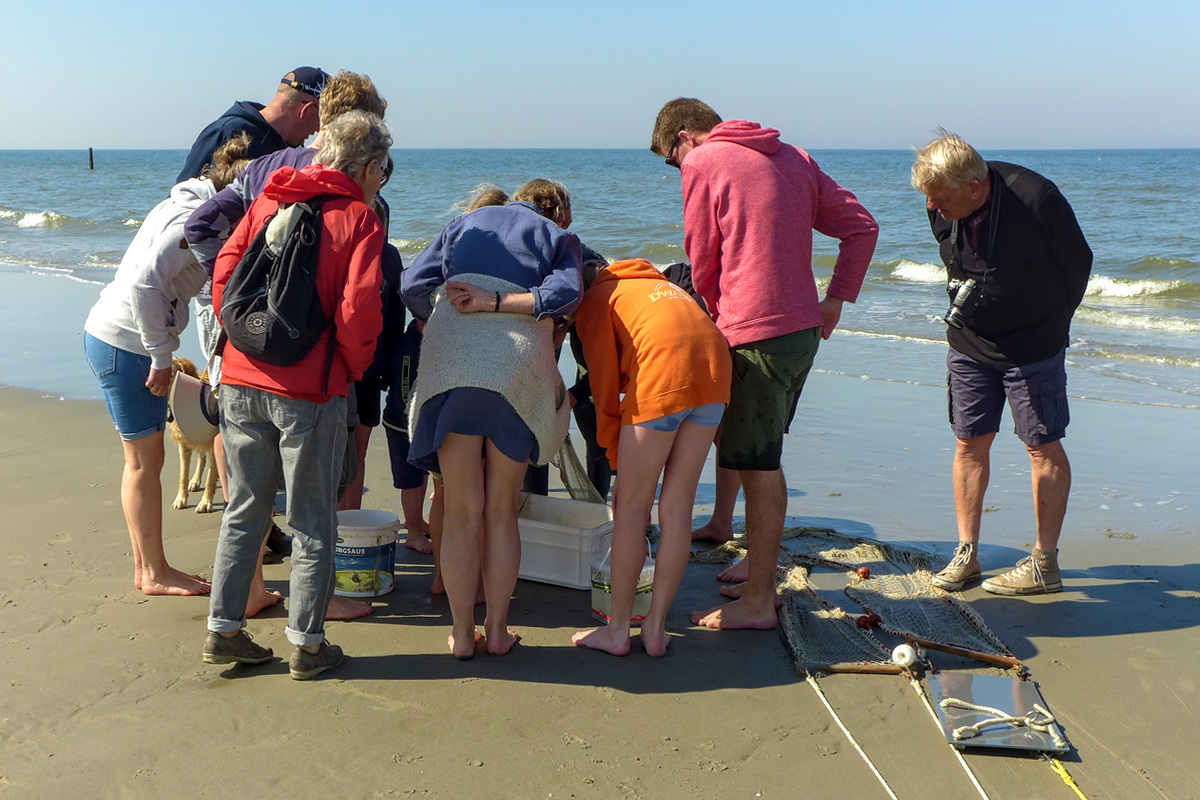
[{"x": 666, "y": 291}]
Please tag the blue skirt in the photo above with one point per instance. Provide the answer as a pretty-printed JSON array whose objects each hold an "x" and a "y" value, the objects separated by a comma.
[{"x": 471, "y": 412}]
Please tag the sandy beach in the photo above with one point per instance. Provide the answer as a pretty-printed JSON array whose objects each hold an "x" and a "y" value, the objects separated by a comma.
[{"x": 104, "y": 693}]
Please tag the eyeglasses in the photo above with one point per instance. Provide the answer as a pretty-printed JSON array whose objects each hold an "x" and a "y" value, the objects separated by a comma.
[
  {"x": 670, "y": 159},
  {"x": 387, "y": 172}
]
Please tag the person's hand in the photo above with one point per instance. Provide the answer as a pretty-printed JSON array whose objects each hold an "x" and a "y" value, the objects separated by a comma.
[
  {"x": 468, "y": 298},
  {"x": 831, "y": 312},
  {"x": 159, "y": 381}
]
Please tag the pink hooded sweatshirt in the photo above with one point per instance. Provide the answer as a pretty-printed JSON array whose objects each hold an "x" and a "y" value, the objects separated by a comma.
[{"x": 750, "y": 205}]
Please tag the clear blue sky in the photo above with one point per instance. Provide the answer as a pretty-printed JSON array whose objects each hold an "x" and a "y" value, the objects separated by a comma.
[{"x": 865, "y": 74}]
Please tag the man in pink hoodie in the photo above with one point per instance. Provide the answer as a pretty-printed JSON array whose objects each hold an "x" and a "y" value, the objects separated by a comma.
[{"x": 750, "y": 206}]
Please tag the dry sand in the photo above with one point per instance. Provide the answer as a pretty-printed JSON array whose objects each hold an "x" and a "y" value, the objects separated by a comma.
[{"x": 103, "y": 693}]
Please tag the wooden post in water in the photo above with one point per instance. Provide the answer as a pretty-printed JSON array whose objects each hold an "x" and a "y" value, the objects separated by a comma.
[{"x": 91, "y": 161}]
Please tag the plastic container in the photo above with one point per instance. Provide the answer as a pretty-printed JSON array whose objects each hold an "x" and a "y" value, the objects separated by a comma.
[
  {"x": 365, "y": 557},
  {"x": 602, "y": 587},
  {"x": 560, "y": 538}
]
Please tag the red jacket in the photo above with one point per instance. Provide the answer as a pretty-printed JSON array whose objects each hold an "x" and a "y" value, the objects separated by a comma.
[
  {"x": 348, "y": 283},
  {"x": 647, "y": 339}
]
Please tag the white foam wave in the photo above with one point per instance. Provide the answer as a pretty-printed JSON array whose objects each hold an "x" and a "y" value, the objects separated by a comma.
[
  {"x": 1103, "y": 286},
  {"x": 132, "y": 223},
  {"x": 919, "y": 273},
  {"x": 41, "y": 219},
  {"x": 1119, "y": 319},
  {"x": 9, "y": 214},
  {"x": 408, "y": 245}
]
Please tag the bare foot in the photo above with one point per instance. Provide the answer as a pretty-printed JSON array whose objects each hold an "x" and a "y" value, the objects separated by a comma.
[
  {"x": 738, "y": 589},
  {"x": 654, "y": 642},
  {"x": 738, "y": 573},
  {"x": 713, "y": 531},
  {"x": 738, "y": 615},
  {"x": 261, "y": 598},
  {"x": 466, "y": 651},
  {"x": 174, "y": 583},
  {"x": 343, "y": 608},
  {"x": 498, "y": 644},
  {"x": 603, "y": 638},
  {"x": 415, "y": 540}
]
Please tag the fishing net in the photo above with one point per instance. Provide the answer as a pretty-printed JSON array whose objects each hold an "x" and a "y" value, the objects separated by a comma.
[
  {"x": 896, "y": 586},
  {"x": 572, "y": 474}
]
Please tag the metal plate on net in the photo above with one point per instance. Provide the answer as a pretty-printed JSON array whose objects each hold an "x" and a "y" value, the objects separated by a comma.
[{"x": 1009, "y": 695}]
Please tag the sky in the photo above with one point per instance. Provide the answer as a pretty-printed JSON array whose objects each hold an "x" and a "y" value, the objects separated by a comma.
[{"x": 859, "y": 74}]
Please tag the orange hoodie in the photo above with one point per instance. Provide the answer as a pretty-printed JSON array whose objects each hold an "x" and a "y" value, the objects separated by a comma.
[{"x": 646, "y": 338}]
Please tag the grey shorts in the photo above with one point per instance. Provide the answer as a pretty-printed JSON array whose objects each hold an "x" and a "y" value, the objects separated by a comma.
[{"x": 1036, "y": 394}]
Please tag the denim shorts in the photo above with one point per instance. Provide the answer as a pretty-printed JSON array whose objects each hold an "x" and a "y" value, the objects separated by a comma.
[
  {"x": 1036, "y": 394},
  {"x": 122, "y": 375},
  {"x": 706, "y": 416},
  {"x": 768, "y": 377}
]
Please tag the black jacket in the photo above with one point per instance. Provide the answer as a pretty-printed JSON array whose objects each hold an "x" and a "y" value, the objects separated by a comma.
[
  {"x": 1033, "y": 275},
  {"x": 241, "y": 116}
]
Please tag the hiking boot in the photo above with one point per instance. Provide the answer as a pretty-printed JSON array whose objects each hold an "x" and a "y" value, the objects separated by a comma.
[
  {"x": 305, "y": 666},
  {"x": 239, "y": 649},
  {"x": 279, "y": 542},
  {"x": 1037, "y": 573},
  {"x": 963, "y": 567}
]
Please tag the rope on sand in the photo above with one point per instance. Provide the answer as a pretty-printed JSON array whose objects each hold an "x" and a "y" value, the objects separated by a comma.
[
  {"x": 1039, "y": 720},
  {"x": 816, "y": 687},
  {"x": 1057, "y": 766}
]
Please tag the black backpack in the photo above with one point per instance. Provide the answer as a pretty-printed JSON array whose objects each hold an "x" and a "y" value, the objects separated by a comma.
[{"x": 270, "y": 309}]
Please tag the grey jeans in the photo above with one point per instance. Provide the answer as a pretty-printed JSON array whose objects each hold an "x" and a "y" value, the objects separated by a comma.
[{"x": 264, "y": 433}]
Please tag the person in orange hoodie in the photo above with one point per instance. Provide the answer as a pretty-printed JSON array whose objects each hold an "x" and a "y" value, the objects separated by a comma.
[{"x": 661, "y": 373}]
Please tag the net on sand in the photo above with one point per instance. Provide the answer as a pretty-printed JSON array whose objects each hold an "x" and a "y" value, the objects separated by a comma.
[
  {"x": 572, "y": 474},
  {"x": 898, "y": 589}
]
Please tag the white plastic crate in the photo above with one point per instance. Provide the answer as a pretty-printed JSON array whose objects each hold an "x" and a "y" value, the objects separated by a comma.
[{"x": 559, "y": 537}]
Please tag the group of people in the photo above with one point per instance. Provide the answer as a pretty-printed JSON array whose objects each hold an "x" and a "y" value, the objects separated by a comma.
[{"x": 492, "y": 298}]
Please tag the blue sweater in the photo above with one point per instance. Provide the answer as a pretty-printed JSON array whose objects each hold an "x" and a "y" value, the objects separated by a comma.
[{"x": 513, "y": 242}]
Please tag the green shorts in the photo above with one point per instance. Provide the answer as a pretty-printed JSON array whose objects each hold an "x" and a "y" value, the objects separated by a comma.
[{"x": 767, "y": 379}]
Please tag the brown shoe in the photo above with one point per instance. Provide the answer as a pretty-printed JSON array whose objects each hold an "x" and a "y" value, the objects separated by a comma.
[
  {"x": 963, "y": 568},
  {"x": 1037, "y": 573}
]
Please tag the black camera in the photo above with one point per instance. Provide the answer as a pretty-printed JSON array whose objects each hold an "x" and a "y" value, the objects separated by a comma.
[{"x": 964, "y": 299}]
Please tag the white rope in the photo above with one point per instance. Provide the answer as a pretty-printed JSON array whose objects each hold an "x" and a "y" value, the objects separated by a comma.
[
  {"x": 929, "y": 706},
  {"x": 813, "y": 682},
  {"x": 1042, "y": 724}
]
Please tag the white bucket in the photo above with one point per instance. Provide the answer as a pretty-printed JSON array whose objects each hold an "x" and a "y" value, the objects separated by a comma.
[{"x": 365, "y": 557}]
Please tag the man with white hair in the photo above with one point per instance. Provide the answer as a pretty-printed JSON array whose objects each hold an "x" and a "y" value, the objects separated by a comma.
[{"x": 1018, "y": 266}]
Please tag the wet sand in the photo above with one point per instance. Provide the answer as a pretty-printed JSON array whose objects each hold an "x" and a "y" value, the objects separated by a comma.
[{"x": 104, "y": 694}]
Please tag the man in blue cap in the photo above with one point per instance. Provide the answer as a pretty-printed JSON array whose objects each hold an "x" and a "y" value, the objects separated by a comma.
[{"x": 289, "y": 119}]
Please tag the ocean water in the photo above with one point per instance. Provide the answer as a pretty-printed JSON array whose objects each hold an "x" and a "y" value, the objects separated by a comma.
[{"x": 1134, "y": 339}]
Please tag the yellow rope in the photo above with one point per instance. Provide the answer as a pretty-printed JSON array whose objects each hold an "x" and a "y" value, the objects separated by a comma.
[{"x": 1057, "y": 766}]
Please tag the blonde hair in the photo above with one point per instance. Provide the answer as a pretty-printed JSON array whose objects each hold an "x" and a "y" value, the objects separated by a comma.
[
  {"x": 947, "y": 161},
  {"x": 485, "y": 194},
  {"x": 349, "y": 91},
  {"x": 550, "y": 197},
  {"x": 228, "y": 161}
]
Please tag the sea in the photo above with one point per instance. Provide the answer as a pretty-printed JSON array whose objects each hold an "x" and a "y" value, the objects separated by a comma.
[{"x": 1134, "y": 340}]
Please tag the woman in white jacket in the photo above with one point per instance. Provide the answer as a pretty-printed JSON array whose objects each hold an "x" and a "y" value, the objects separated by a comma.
[{"x": 129, "y": 338}]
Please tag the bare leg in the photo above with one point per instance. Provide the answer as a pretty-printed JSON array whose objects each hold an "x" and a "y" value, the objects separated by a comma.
[
  {"x": 437, "y": 523},
  {"x": 141, "y": 500},
  {"x": 501, "y": 546},
  {"x": 464, "y": 497},
  {"x": 643, "y": 454},
  {"x": 1051, "y": 488},
  {"x": 260, "y": 596},
  {"x": 412, "y": 501},
  {"x": 719, "y": 527},
  {"x": 675, "y": 503},
  {"x": 352, "y": 499},
  {"x": 972, "y": 471},
  {"x": 766, "y": 507},
  {"x": 219, "y": 460}
]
